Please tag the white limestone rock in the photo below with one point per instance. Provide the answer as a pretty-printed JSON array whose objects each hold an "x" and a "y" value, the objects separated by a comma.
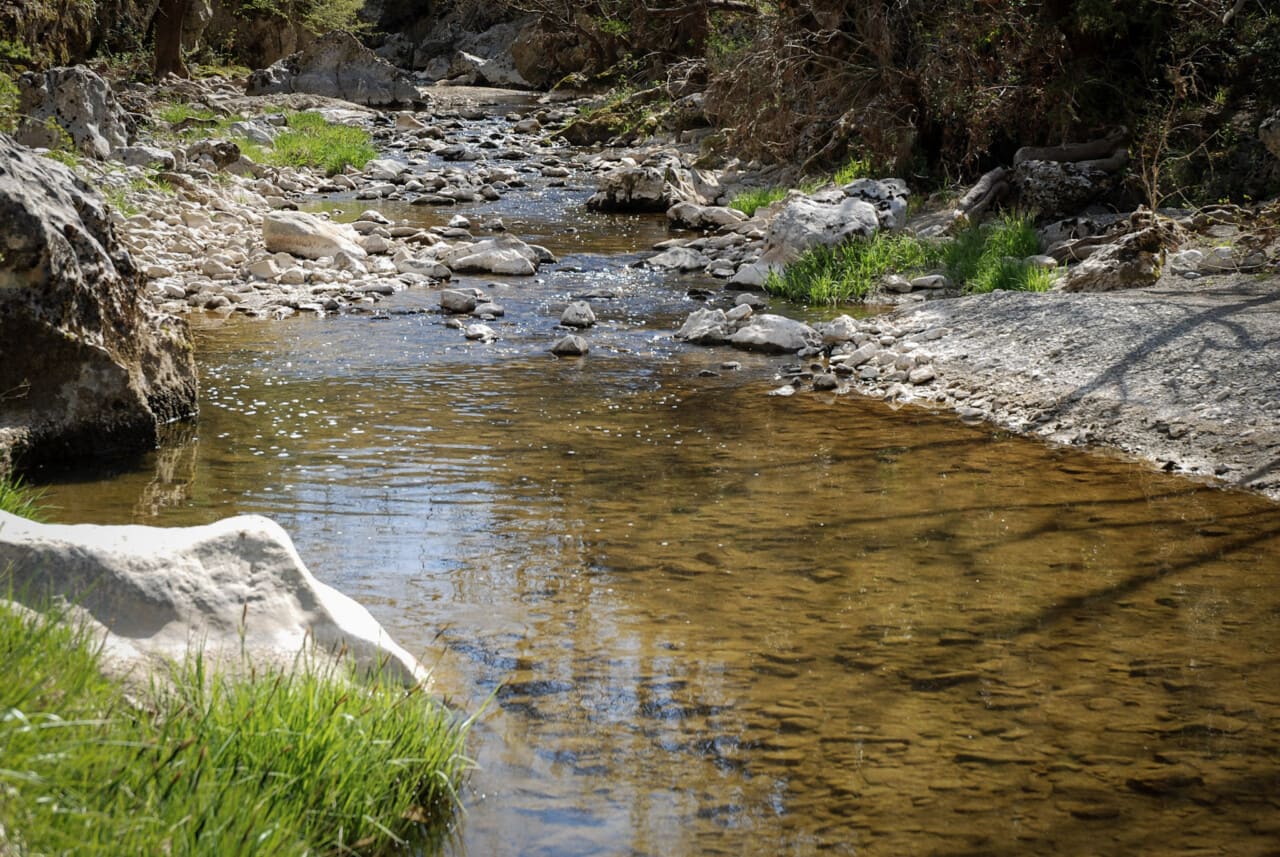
[
  {"x": 232, "y": 586},
  {"x": 307, "y": 236}
]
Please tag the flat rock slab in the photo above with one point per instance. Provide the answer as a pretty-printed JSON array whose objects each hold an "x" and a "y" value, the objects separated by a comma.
[{"x": 1185, "y": 376}]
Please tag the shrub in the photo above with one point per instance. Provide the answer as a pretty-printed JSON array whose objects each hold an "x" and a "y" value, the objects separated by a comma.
[{"x": 8, "y": 104}]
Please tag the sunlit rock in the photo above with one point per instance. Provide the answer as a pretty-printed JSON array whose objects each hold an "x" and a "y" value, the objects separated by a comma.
[{"x": 230, "y": 588}]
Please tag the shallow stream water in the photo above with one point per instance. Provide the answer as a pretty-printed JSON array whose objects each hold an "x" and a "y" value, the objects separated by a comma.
[{"x": 717, "y": 622}]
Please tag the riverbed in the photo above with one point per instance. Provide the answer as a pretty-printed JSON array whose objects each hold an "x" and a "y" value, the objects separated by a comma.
[{"x": 704, "y": 620}]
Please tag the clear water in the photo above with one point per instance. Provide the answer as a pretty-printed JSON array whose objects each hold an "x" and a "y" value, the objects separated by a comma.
[{"x": 713, "y": 621}]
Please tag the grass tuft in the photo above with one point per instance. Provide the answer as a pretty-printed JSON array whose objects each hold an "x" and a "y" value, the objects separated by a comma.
[
  {"x": 310, "y": 141},
  {"x": 748, "y": 201},
  {"x": 18, "y": 499},
  {"x": 980, "y": 259},
  {"x": 850, "y": 271},
  {"x": 989, "y": 258},
  {"x": 302, "y": 762}
]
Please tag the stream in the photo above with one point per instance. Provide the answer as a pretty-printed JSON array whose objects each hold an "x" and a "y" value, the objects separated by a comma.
[{"x": 709, "y": 621}]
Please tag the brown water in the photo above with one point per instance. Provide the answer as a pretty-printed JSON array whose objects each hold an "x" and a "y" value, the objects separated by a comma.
[{"x": 724, "y": 623}]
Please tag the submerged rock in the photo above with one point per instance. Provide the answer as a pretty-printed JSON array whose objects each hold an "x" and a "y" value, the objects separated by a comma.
[
  {"x": 86, "y": 366},
  {"x": 236, "y": 586},
  {"x": 570, "y": 346}
]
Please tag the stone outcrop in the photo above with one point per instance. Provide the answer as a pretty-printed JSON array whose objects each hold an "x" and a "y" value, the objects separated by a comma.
[
  {"x": 337, "y": 66},
  {"x": 86, "y": 366},
  {"x": 1061, "y": 188},
  {"x": 74, "y": 102},
  {"x": 236, "y": 586},
  {"x": 742, "y": 328}
]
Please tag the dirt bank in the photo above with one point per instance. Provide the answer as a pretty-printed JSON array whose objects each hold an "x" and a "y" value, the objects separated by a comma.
[{"x": 1185, "y": 375}]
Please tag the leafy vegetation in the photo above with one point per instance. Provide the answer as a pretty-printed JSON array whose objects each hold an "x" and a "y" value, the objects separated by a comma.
[
  {"x": 311, "y": 141},
  {"x": 277, "y": 763},
  {"x": 981, "y": 259},
  {"x": 8, "y": 104},
  {"x": 318, "y": 16}
]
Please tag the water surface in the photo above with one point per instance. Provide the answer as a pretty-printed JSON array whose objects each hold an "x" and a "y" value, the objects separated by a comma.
[{"x": 717, "y": 622}]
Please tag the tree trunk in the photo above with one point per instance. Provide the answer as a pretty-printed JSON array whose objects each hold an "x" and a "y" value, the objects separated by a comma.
[{"x": 169, "y": 38}]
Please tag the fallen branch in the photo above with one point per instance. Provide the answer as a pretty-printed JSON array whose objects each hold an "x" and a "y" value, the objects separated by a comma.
[{"x": 1071, "y": 152}]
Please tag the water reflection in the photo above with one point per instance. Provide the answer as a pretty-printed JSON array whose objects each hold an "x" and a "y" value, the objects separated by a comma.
[{"x": 718, "y": 622}]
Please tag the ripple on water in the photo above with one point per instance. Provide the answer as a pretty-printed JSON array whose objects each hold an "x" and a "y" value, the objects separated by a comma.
[{"x": 725, "y": 623}]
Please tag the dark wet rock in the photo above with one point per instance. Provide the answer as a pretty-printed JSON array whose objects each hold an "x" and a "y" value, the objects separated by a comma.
[
  {"x": 826, "y": 381},
  {"x": 336, "y": 65},
  {"x": 87, "y": 368},
  {"x": 79, "y": 103},
  {"x": 1060, "y": 188}
]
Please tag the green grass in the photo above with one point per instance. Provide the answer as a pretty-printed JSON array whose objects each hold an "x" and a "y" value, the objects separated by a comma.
[
  {"x": 280, "y": 763},
  {"x": 18, "y": 499},
  {"x": 851, "y": 170},
  {"x": 303, "y": 762},
  {"x": 989, "y": 258},
  {"x": 748, "y": 201},
  {"x": 980, "y": 259},
  {"x": 310, "y": 141},
  {"x": 850, "y": 271},
  {"x": 175, "y": 112}
]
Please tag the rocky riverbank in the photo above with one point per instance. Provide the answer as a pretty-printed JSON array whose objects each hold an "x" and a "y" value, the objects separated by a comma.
[{"x": 1180, "y": 373}]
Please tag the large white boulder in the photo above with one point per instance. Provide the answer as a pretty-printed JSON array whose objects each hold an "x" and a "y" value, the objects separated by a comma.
[
  {"x": 300, "y": 234},
  {"x": 87, "y": 367},
  {"x": 226, "y": 589}
]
